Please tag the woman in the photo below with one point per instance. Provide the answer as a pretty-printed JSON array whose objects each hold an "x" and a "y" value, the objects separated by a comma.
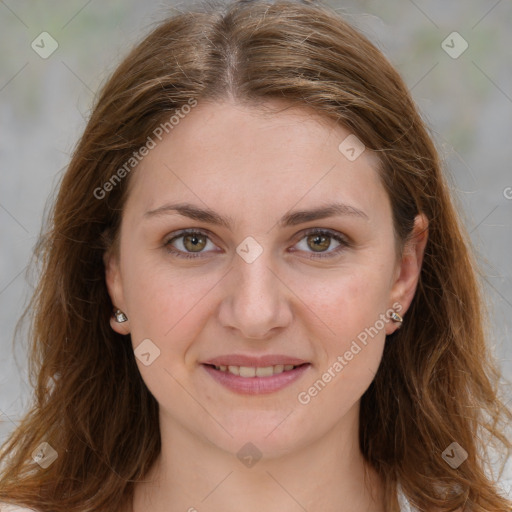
[{"x": 319, "y": 348}]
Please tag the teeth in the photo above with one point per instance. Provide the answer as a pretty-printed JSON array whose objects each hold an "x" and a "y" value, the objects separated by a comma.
[
  {"x": 235, "y": 370},
  {"x": 251, "y": 371},
  {"x": 245, "y": 371},
  {"x": 268, "y": 371}
]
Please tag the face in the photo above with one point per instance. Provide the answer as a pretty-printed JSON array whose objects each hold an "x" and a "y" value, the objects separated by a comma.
[{"x": 200, "y": 293}]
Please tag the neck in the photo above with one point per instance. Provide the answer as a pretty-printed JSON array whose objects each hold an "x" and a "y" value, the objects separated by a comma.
[{"x": 194, "y": 475}]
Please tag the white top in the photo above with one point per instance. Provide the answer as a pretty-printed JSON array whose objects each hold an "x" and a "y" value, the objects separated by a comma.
[
  {"x": 7, "y": 507},
  {"x": 405, "y": 505}
]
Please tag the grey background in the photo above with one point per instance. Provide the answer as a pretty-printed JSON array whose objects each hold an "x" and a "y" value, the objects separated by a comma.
[{"x": 467, "y": 102}]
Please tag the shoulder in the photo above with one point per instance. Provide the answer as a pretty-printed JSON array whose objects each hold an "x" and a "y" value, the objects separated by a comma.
[{"x": 8, "y": 507}]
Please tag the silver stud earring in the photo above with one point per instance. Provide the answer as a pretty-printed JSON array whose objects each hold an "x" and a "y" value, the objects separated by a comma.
[
  {"x": 120, "y": 316},
  {"x": 396, "y": 317}
]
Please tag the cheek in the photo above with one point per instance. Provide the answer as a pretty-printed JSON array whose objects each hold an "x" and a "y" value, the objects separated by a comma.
[
  {"x": 166, "y": 304},
  {"x": 350, "y": 350},
  {"x": 347, "y": 302},
  {"x": 352, "y": 310},
  {"x": 170, "y": 310}
]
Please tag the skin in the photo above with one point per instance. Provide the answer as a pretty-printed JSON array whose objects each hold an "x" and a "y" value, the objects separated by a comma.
[{"x": 255, "y": 168}]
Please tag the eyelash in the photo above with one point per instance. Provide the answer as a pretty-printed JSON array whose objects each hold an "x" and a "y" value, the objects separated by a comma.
[{"x": 344, "y": 243}]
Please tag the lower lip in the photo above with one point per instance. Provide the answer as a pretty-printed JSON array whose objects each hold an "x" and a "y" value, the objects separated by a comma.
[{"x": 256, "y": 385}]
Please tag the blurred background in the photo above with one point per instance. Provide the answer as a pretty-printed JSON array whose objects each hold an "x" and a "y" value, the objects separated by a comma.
[{"x": 454, "y": 56}]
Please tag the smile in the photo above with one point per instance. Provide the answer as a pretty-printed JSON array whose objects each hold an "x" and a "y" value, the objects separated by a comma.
[
  {"x": 256, "y": 380},
  {"x": 250, "y": 371}
]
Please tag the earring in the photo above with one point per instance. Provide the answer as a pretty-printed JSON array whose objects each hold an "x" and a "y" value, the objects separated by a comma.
[
  {"x": 396, "y": 317},
  {"x": 120, "y": 316}
]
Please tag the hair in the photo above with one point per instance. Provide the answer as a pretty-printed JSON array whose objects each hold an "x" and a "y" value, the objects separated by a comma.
[{"x": 437, "y": 383}]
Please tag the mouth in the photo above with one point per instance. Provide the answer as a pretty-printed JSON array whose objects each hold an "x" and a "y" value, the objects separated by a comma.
[
  {"x": 255, "y": 380},
  {"x": 260, "y": 371}
]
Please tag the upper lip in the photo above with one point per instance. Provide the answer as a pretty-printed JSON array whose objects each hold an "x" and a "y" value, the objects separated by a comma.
[{"x": 254, "y": 361}]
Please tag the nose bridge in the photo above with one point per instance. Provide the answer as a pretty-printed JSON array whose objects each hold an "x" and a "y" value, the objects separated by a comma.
[
  {"x": 256, "y": 278},
  {"x": 256, "y": 302}
]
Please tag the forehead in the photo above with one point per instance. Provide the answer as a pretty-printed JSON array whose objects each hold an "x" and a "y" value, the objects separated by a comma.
[{"x": 253, "y": 159}]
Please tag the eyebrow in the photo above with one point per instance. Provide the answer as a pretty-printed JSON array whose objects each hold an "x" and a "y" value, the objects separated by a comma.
[{"x": 290, "y": 219}]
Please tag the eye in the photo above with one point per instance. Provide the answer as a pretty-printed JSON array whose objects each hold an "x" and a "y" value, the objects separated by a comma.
[
  {"x": 318, "y": 239},
  {"x": 193, "y": 242}
]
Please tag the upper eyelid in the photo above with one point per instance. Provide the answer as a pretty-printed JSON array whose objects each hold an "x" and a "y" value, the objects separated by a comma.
[{"x": 188, "y": 231}]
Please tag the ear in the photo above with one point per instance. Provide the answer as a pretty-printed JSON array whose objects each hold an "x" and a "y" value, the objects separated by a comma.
[
  {"x": 115, "y": 289},
  {"x": 408, "y": 269}
]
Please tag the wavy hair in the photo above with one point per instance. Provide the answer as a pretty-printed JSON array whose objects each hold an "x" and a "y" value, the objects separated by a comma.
[{"x": 437, "y": 382}]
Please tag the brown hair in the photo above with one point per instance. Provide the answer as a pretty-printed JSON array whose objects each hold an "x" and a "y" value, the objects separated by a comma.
[{"x": 437, "y": 382}]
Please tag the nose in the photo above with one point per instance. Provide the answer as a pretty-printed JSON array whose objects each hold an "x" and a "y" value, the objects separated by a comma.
[{"x": 255, "y": 299}]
